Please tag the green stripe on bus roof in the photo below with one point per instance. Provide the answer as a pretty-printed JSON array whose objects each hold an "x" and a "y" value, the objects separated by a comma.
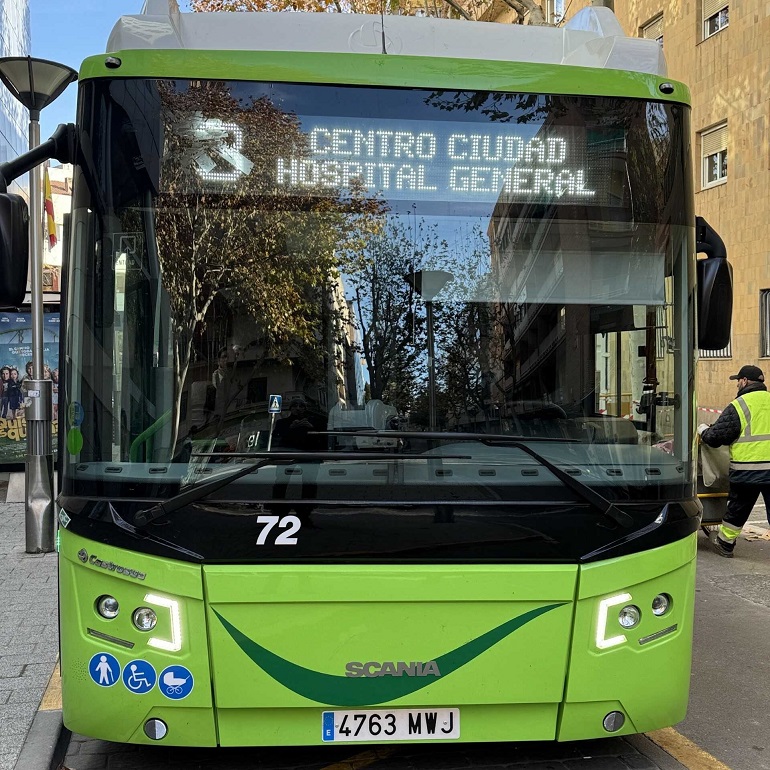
[{"x": 383, "y": 70}]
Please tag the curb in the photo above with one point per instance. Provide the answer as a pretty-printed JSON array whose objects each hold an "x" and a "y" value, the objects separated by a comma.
[
  {"x": 647, "y": 747},
  {"x": 46, "y": 743}
]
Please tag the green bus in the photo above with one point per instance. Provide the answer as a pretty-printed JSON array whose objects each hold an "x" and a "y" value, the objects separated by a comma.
[{"x": 377, "y": 385}]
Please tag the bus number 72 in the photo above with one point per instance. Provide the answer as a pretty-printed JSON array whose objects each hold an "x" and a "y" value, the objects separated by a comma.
[{"x": 291, "y": 524}]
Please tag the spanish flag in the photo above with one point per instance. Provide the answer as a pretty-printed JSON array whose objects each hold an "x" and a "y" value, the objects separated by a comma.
[{"x": 50, "y": 223}]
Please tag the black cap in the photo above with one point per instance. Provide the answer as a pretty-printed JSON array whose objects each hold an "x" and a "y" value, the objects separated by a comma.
[{"x": 753, "y": 373}]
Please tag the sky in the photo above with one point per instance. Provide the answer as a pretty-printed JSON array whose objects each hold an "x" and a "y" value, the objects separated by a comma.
[{"x": 68, "y": 32}]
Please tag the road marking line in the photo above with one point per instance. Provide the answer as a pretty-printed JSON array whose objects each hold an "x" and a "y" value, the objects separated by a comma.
[
  {"x": 52, "y": 697},
  {"x": 362, "y": 760},
  {"x": 684, "y": 750}
]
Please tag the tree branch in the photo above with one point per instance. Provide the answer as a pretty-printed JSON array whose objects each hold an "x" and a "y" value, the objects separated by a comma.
[{"x": 459, "y": 9}]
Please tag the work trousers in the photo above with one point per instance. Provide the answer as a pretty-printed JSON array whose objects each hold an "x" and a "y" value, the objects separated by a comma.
[{"x": 741, "y": 501}]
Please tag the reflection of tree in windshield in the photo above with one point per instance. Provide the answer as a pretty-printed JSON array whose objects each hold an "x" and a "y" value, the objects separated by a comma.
[
  {"x": 226, "y": 232},
  {"x": 496, "y": 107}
]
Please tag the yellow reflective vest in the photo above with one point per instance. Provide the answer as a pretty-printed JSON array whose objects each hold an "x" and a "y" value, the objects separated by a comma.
[{"x": 751, "y": 450}]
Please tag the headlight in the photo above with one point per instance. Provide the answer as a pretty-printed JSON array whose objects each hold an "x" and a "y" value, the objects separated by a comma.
[
  {"x": 144, "y": 618},
  {"x": 629, "y": 616},
  {"x": 661, "y": 604},
  {"x": 107, "y": 607}
]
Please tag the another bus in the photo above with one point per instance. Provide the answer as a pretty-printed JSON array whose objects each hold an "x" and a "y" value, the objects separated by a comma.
[{"x": 377, "y": 410}]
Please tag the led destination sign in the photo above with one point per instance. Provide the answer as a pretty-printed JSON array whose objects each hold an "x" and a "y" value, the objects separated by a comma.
[{"x": 480, "y": 164}]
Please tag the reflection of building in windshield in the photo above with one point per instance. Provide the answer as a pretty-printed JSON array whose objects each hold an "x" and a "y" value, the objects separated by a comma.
[
  {"x": 569, "y": 276},
  {"x": 324, "y": 373}
]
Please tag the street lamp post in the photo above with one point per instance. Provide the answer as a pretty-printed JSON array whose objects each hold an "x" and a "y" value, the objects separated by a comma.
[
  {"x": 36, "y": 83},
  {"x": 428, "y": 283}
]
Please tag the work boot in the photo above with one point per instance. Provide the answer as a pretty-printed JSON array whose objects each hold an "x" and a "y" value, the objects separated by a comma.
[{"x": 722, "y": 547}]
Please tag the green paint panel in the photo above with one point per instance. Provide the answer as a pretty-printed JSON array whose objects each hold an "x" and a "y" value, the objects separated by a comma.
[
  {"x": 115, "y": 713},
  {"x": 498, "y": 635},
  {"x": 373, "y": 69},
  {"x": 650, "y": 680},
  {"x": 298, "y": 727},
  {"x": 343, "y": 690},
  {"x": 516, "y": 655},
  {"x": 614, "y": 575}
]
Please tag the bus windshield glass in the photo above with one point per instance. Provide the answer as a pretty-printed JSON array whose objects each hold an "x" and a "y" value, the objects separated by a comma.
[{"x": 417, "y": 302}]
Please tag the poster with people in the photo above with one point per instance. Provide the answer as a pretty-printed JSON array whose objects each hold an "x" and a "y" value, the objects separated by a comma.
[{"x": 15, "y": 367}]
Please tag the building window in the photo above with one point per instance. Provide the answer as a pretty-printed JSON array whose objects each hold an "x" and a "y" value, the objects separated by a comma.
[
  {"x": 714, "y": 155},
  {"x": 764, "y": 323},
  {"x": 653, "y": 30},
  {"x": 715, "y": 16},
  {"x": 723, "y": 353}
]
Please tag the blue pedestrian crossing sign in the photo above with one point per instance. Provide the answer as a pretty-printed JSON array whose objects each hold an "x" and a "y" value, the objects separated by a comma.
[{"x": 274, "y": 404}]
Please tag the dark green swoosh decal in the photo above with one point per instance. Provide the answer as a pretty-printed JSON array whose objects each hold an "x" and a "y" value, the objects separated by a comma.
[{"x": 335, "y": 690}]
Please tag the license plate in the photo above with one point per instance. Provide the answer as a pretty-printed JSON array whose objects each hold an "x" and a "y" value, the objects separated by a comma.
[{"x": 391, "y": 725}]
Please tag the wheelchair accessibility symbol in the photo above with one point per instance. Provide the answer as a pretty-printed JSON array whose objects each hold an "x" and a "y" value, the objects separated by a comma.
[
  {"x": 176, "y": 682},
  {"x": 139, "y": 676}
]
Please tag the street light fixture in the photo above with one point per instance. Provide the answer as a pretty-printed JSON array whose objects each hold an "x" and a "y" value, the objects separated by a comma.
[
  {"x": 428, "y": 284},
  {"x": 36, "y": 83}
]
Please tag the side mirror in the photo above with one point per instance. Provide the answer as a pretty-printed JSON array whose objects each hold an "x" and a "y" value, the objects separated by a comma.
[
  {"x": 715, "y": 303},
  {"x": 14, "y": 249},
  {"x": 715, "y": 289}
]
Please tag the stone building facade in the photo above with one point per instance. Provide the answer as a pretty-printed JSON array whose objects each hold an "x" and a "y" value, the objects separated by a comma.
[
  {"x": 721, "y": 50},
  {"x": 14, "y": 120}
]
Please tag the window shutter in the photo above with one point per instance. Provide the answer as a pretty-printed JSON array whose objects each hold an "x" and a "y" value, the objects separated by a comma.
[
  {"x": 653, "y": 30},
  {"x": 710, "y": 7},
  {"x": 714, "y": 141}
]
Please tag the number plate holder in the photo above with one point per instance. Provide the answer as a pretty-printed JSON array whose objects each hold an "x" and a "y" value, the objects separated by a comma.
[{"x": 391, "y": 725}]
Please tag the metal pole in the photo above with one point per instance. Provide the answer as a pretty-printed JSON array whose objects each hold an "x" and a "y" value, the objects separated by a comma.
[
  {"x": 431, "y": 368},
  {"x": 39, "y": 515}
]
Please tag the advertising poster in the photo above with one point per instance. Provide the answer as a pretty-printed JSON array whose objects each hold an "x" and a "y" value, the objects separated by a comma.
[{"x": 15, "y": 367}]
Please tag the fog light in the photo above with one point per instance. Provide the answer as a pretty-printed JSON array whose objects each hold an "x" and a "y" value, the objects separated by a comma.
[
  {"x": 614, "y": 721},
  {"x": 155, "y": 729},
  {"x": 629, "y": 616},
  {"x": 661, "y": 604},
  {"x": 144, "y": 618},
  {"x": 107, "y": 607}
]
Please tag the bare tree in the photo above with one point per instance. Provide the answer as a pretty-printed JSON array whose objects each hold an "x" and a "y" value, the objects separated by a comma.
[
  {"x": 471, "y": 10},
  {"x": 271, "y": 253}
]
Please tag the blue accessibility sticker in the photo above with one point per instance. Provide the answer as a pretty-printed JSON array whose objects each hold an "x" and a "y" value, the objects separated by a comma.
[
  {"x": 104, "y": 669},
  {"x": 139, "y": 676},
  {"x": 176, "y": 682}
]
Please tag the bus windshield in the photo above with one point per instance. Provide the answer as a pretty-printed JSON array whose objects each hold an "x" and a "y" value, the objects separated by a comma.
[{"x": 381, "y": 297}]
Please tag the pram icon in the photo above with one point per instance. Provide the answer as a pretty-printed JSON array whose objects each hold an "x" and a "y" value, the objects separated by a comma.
[{"x": 173, "y": 684}]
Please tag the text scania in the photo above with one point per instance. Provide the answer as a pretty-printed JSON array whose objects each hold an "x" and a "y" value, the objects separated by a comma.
[
  {"x": 473, "y": 164},
  {"x": 388, "y": 668}
]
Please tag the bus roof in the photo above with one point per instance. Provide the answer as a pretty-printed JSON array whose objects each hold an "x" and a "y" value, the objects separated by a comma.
[{"x": 592, "y": 38}]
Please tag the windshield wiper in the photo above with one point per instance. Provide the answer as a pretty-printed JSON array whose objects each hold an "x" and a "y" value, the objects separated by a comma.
[
  {"x": 491, "y": 438},
  {"x": 583, "y": 491},
  {"x": 193, "y": 494}
]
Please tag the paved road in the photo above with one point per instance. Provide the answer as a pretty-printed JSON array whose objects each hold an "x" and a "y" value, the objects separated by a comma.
[
  {"x": 730, "y": 692},
  {"x": 606, "y": 754}
]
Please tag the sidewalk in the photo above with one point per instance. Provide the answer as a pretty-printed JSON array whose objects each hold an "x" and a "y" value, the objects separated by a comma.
[{"x": 29, "y": 638}]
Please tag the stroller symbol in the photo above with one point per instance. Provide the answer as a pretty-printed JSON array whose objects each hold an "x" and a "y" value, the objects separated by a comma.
[
  {"x": 177, "y": 682},
  {"x": 173, "y": 684}
]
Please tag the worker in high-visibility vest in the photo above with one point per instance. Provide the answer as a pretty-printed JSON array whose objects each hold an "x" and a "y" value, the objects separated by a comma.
[{"x": 744, "y": 425}]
